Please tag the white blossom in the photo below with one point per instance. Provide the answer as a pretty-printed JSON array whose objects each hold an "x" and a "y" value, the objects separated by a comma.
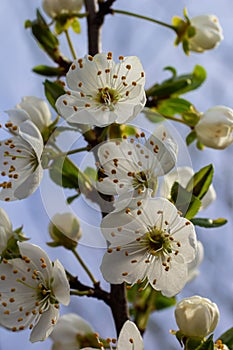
[
  {"x": 32, "y": 108},
  {"x": 129, "y": 338},
  {"x": 102, "y": 91},
  {"x": 183, "y": 176},
  {"x": 131, "y": 166},
  {"x": 54, "y": 8},
  {"x": 5, "y": 230},
  {"x": 66, "y": 332},
  {"x": 215, "y": 127},
  {"x": 196, "y": 316},
  {"x": 153, "y": 243},
  {"x": 31, "y": 289},
  {"x": 193, "y": 271},
  {"x": 20, "y": 161},
  {"x": 208, "y": 33}
]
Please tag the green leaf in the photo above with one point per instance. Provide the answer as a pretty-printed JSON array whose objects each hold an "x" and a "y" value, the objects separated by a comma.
[
  {"x": 201, "y": 181},
  {"x": 64, "y": 173},
  {"x": 161, "y": 302},
  {"x": 209, "y": 223},
  {"x": 44, "y": 36},
  {"x": 91, "y": 173},
  {"x": 53, "y": 91},
  {"x": 174, "y": 106},
  {"x": 152, "y": 115},
  {"x": 185, "y": 201},
  {"x": 75, "y": 25},
  {"x": 191, "y": 137},
  {"x": 178, "y": 84},
  {"x": 48, "y": 71},
  {"x": 227, "y": 338}
]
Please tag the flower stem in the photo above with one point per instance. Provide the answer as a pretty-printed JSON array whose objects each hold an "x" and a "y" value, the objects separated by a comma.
[
  {"x": 70, "y": 44},
  {"x": 122, "y": 12},
  {"x": 77, "y": 292},
  {"x": 84, "y": 266},
  {"x": 175, "y": 119}
]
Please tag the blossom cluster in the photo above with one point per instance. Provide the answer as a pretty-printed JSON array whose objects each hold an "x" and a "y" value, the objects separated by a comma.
[{"x": 150, "y": 242}]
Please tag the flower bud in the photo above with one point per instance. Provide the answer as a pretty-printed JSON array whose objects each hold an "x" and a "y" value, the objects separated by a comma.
[
  {"x": 65, "y": 231},
  {"x": 215, "y": 127},
  {"x": 54, "y": 8},
  {"x": 208, "y": 33},
  {"x": 196, "y": 316},
  {"x": 31, "y": 108}
]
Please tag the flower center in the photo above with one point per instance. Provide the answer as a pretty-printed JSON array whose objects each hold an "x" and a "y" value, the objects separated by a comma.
[
  {"x": 140, "y": 180},
  {"x": 107, "y": 97},
  {"x": 157, "y": 241}
]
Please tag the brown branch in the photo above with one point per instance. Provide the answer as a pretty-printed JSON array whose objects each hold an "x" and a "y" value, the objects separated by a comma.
[{"x": 117, "y": 298}]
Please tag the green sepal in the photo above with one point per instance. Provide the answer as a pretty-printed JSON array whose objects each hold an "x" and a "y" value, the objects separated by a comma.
[
  {"x": 191, "y": 137},
  {"x": 70, "y": 199},
  {"x": 185, "y": 202},
  {"x": 53, "y": 91},
  {"x": 201, "y": 181},
  {"x": 64, "y": 173},
  {"x": 227, "y": 338},
  {"x": 49, "y": 71},
  {"x": 206, "y": 344},
  {"x": 75, "y": 25},
  {"x": 209, "y": 223},
  {"x": 190, "y": 117}
]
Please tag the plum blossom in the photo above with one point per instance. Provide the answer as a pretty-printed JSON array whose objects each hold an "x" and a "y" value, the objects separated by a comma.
[
  {"x": 129, "y": 338},
  {"x": 193, "y": 271},
  {"x": 152, "y": 243},
  {"x": 215, "y": 127},
  {"x": 208, "y": 33},
  {"x": 196, "y": 316},
  {"x": 67, "y": 331},
  {"x": 31, "y": 289},
  {"x": 5, "y": 230},
  {"x": 131, "y": 166},
  {"x": 54, "y": 8},
  {"x": 183, "y": 175},
  {"x": 20, "y": 160},
  {"x": 103, "y": 91},
  {"x": 32, "y": 108}
]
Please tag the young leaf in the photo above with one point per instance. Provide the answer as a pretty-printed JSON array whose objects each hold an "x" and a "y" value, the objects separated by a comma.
[
  {"x": 49, "y": 71},
  {"x": 53, "y": 91},
  {"x": 64, "y": 173},
  {"x": 209, "y": 223},
  {"x": 200, "y": 181},
  {"x": 185, "y": 201},
  {"x": 227, "y": 338},
  {"x": 174, "y": 106}
]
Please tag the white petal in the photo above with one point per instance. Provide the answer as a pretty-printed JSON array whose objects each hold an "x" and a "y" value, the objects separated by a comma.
[
  {"x": 116, "y": 267},
  {"x": 67, "y": 328},
  {"x": 38, "y": 257},
  {"x": 5, "y": 221},
  {"x": 45, "y": 326},
  {"x": 60, "y": 284},
  {"x": 130, "y": 337}
]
